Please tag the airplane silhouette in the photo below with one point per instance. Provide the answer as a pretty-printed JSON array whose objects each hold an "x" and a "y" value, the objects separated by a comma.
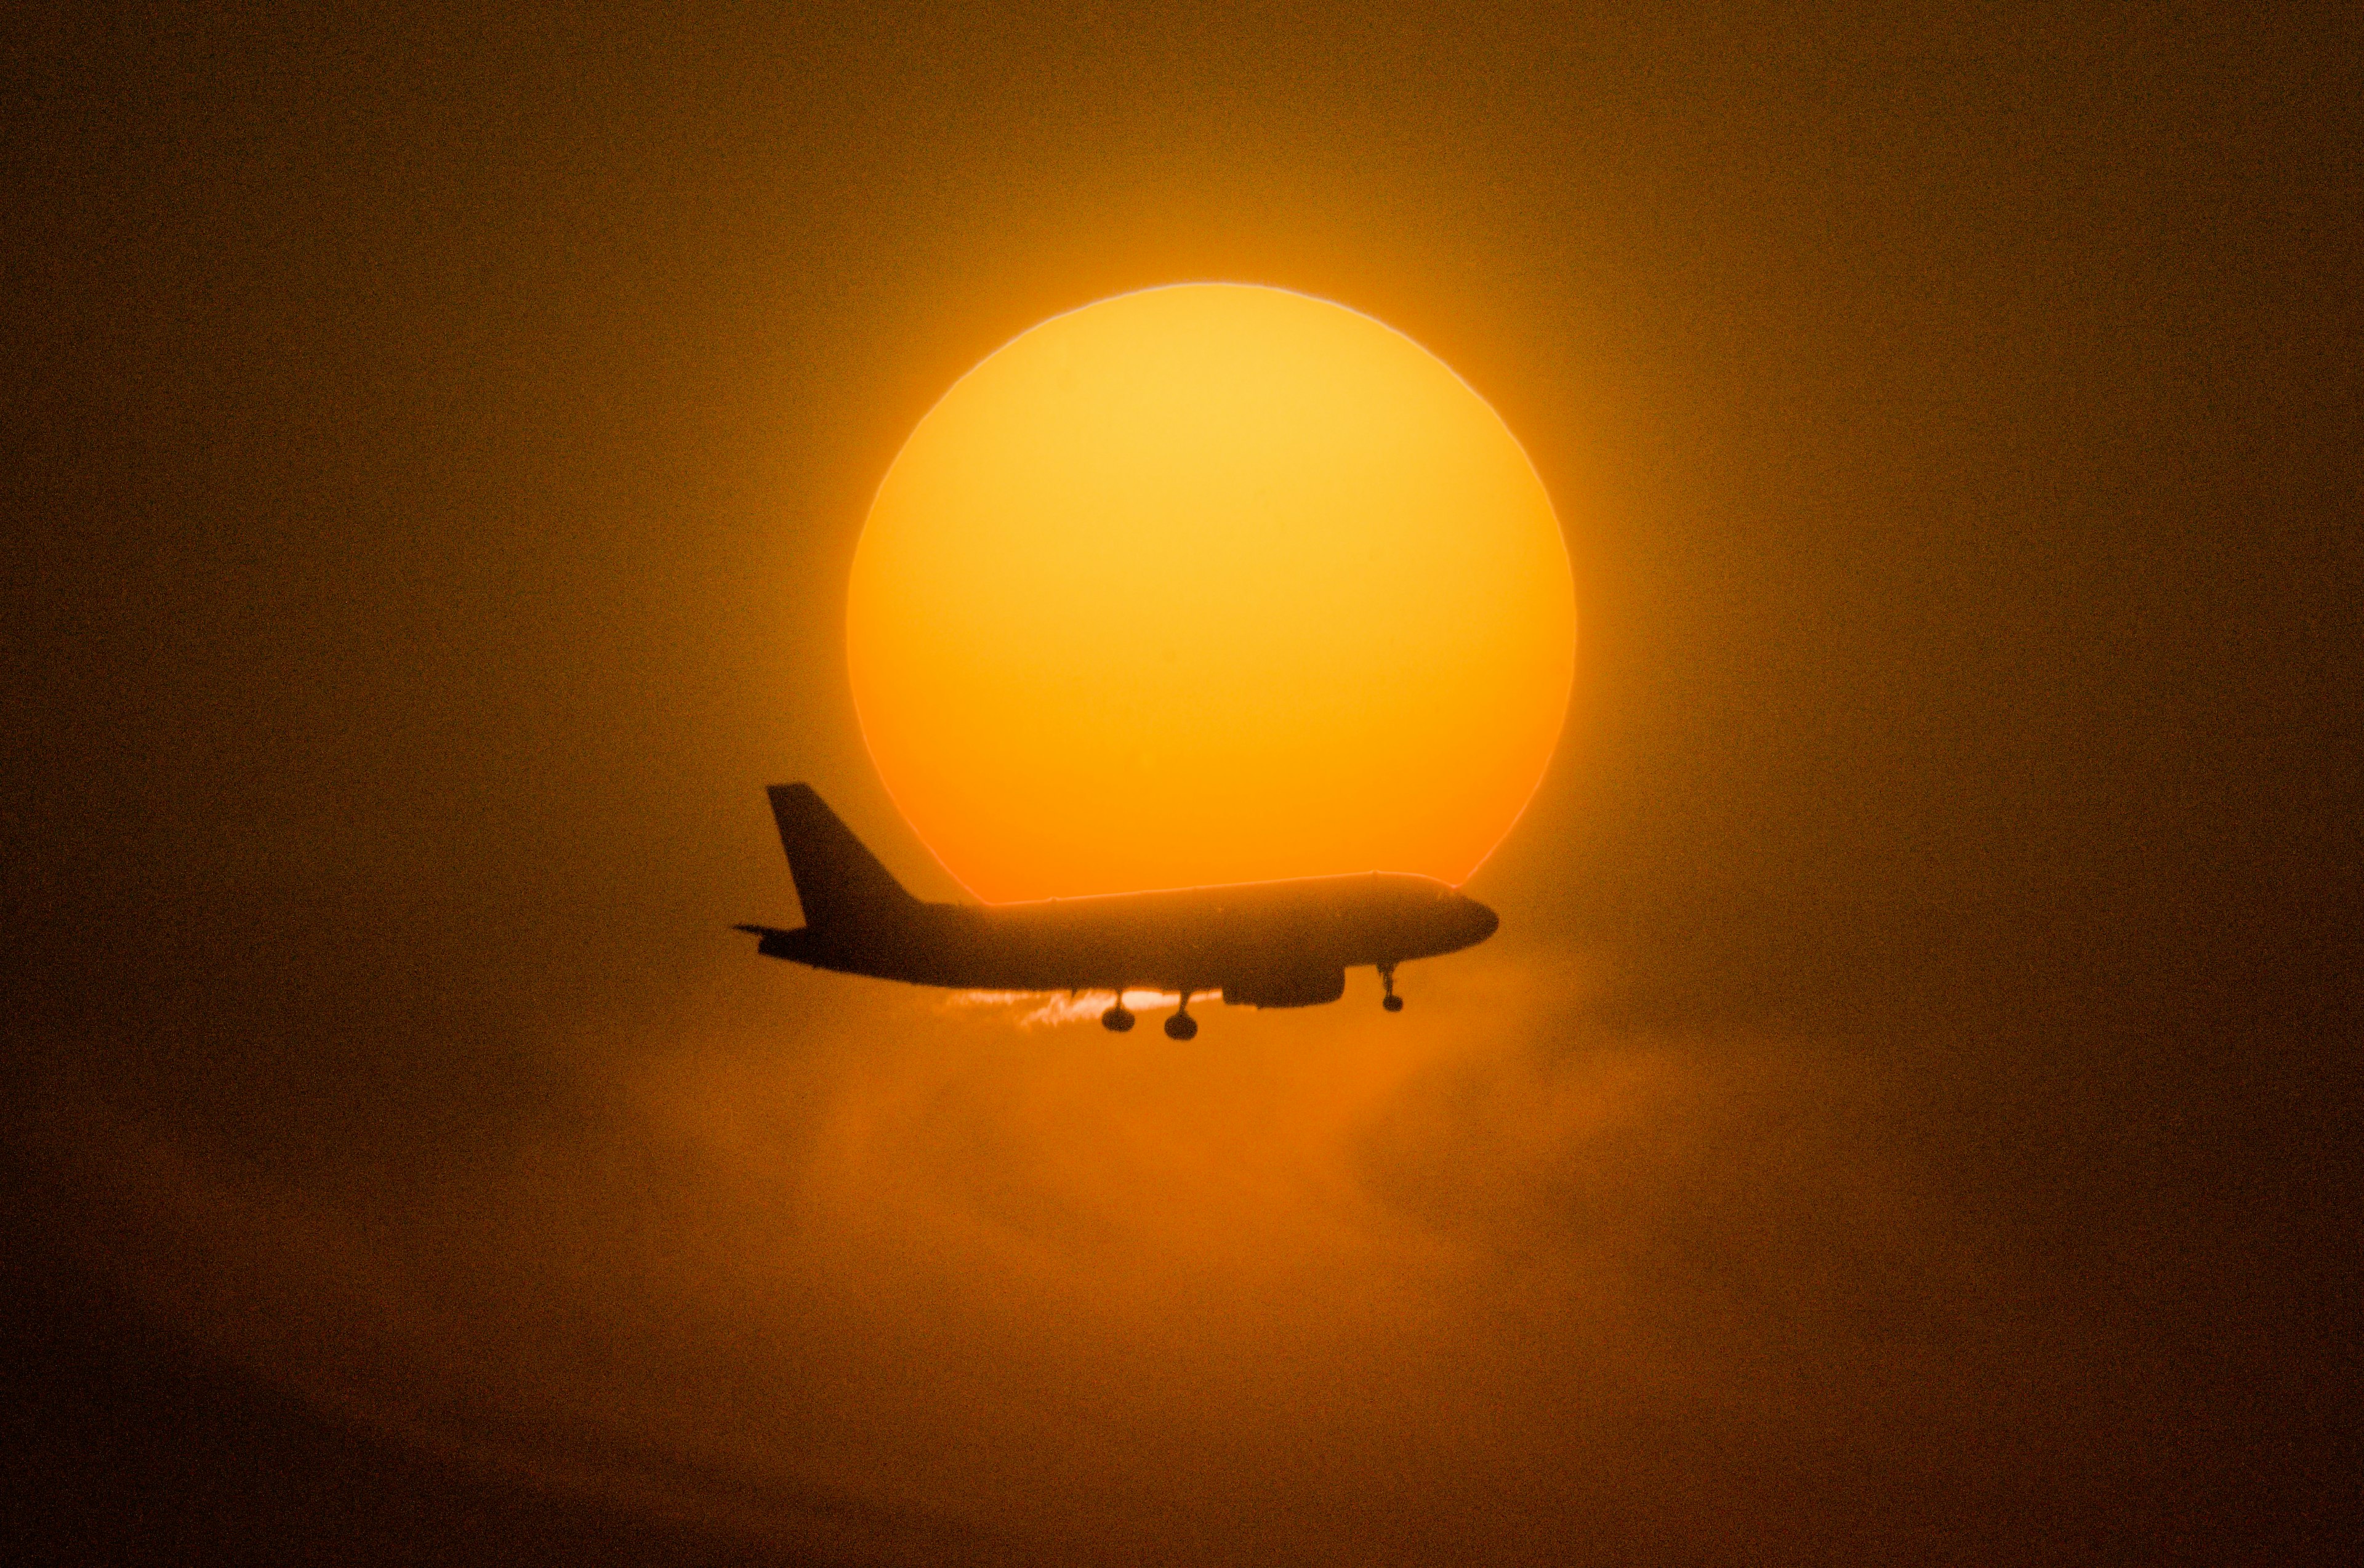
[{"x": 1261, "y": 944}]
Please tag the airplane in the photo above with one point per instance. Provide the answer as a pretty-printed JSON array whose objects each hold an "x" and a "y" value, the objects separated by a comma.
[{"x": 1259, "y": 944}]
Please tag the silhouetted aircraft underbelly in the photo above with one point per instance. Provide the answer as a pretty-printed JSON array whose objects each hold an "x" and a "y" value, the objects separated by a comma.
[{"x": 1276, "y": 944}]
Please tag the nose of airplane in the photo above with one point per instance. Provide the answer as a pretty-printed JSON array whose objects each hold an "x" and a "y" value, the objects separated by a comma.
[{"x": 1483, "y": 922}]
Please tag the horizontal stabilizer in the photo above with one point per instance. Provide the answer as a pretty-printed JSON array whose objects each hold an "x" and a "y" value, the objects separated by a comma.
[{"x": 800, "y": 944}]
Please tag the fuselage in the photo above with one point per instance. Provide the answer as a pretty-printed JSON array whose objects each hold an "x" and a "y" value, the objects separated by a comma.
[{"x": 1281, "y": 940}]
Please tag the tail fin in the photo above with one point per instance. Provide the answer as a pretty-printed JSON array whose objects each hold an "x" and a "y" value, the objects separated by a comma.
[{"x": 839, "y": 883}]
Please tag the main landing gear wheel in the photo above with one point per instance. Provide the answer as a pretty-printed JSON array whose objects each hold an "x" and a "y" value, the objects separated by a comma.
[
  {"x": 1116, "y": 1020},
  {"x": 1392, "y": 1002},
  {"x": 1182, "y": 1026}
]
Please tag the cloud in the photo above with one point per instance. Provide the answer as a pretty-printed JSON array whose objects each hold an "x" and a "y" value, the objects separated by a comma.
[{"x": 869, "y": 1266}]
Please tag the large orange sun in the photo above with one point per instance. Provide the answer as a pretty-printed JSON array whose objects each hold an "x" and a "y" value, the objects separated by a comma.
[{"x": 1209, "y": 583}]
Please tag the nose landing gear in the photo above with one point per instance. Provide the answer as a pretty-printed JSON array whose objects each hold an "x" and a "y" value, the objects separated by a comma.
[
  {"x": 1182, "y": 1026},
  {"x": 1392, "y": 1002}
]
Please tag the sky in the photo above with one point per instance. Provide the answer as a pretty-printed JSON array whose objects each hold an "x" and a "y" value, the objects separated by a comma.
[{"x": 1900, "y": 1117}]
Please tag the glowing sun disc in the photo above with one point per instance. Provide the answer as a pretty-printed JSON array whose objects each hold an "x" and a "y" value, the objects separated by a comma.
[{"x": 1214, "y": 583}]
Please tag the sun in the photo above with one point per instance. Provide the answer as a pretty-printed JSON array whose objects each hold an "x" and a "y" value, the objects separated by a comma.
[{"x": 1213, "y": 582}]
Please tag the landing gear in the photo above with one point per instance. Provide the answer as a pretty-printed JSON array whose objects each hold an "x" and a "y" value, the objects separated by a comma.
[
  {"x": 1182, "y": 1026},
  {"x": 1116, "y": 1020},
  {"x": 1392, "y": 1002}
]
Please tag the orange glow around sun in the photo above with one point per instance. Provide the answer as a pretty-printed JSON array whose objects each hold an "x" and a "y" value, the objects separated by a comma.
[{"x": 1213, "y": 582}]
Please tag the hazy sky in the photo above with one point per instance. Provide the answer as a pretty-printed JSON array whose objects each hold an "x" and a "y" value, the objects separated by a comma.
[{"x": 1900, "y": 1117}]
